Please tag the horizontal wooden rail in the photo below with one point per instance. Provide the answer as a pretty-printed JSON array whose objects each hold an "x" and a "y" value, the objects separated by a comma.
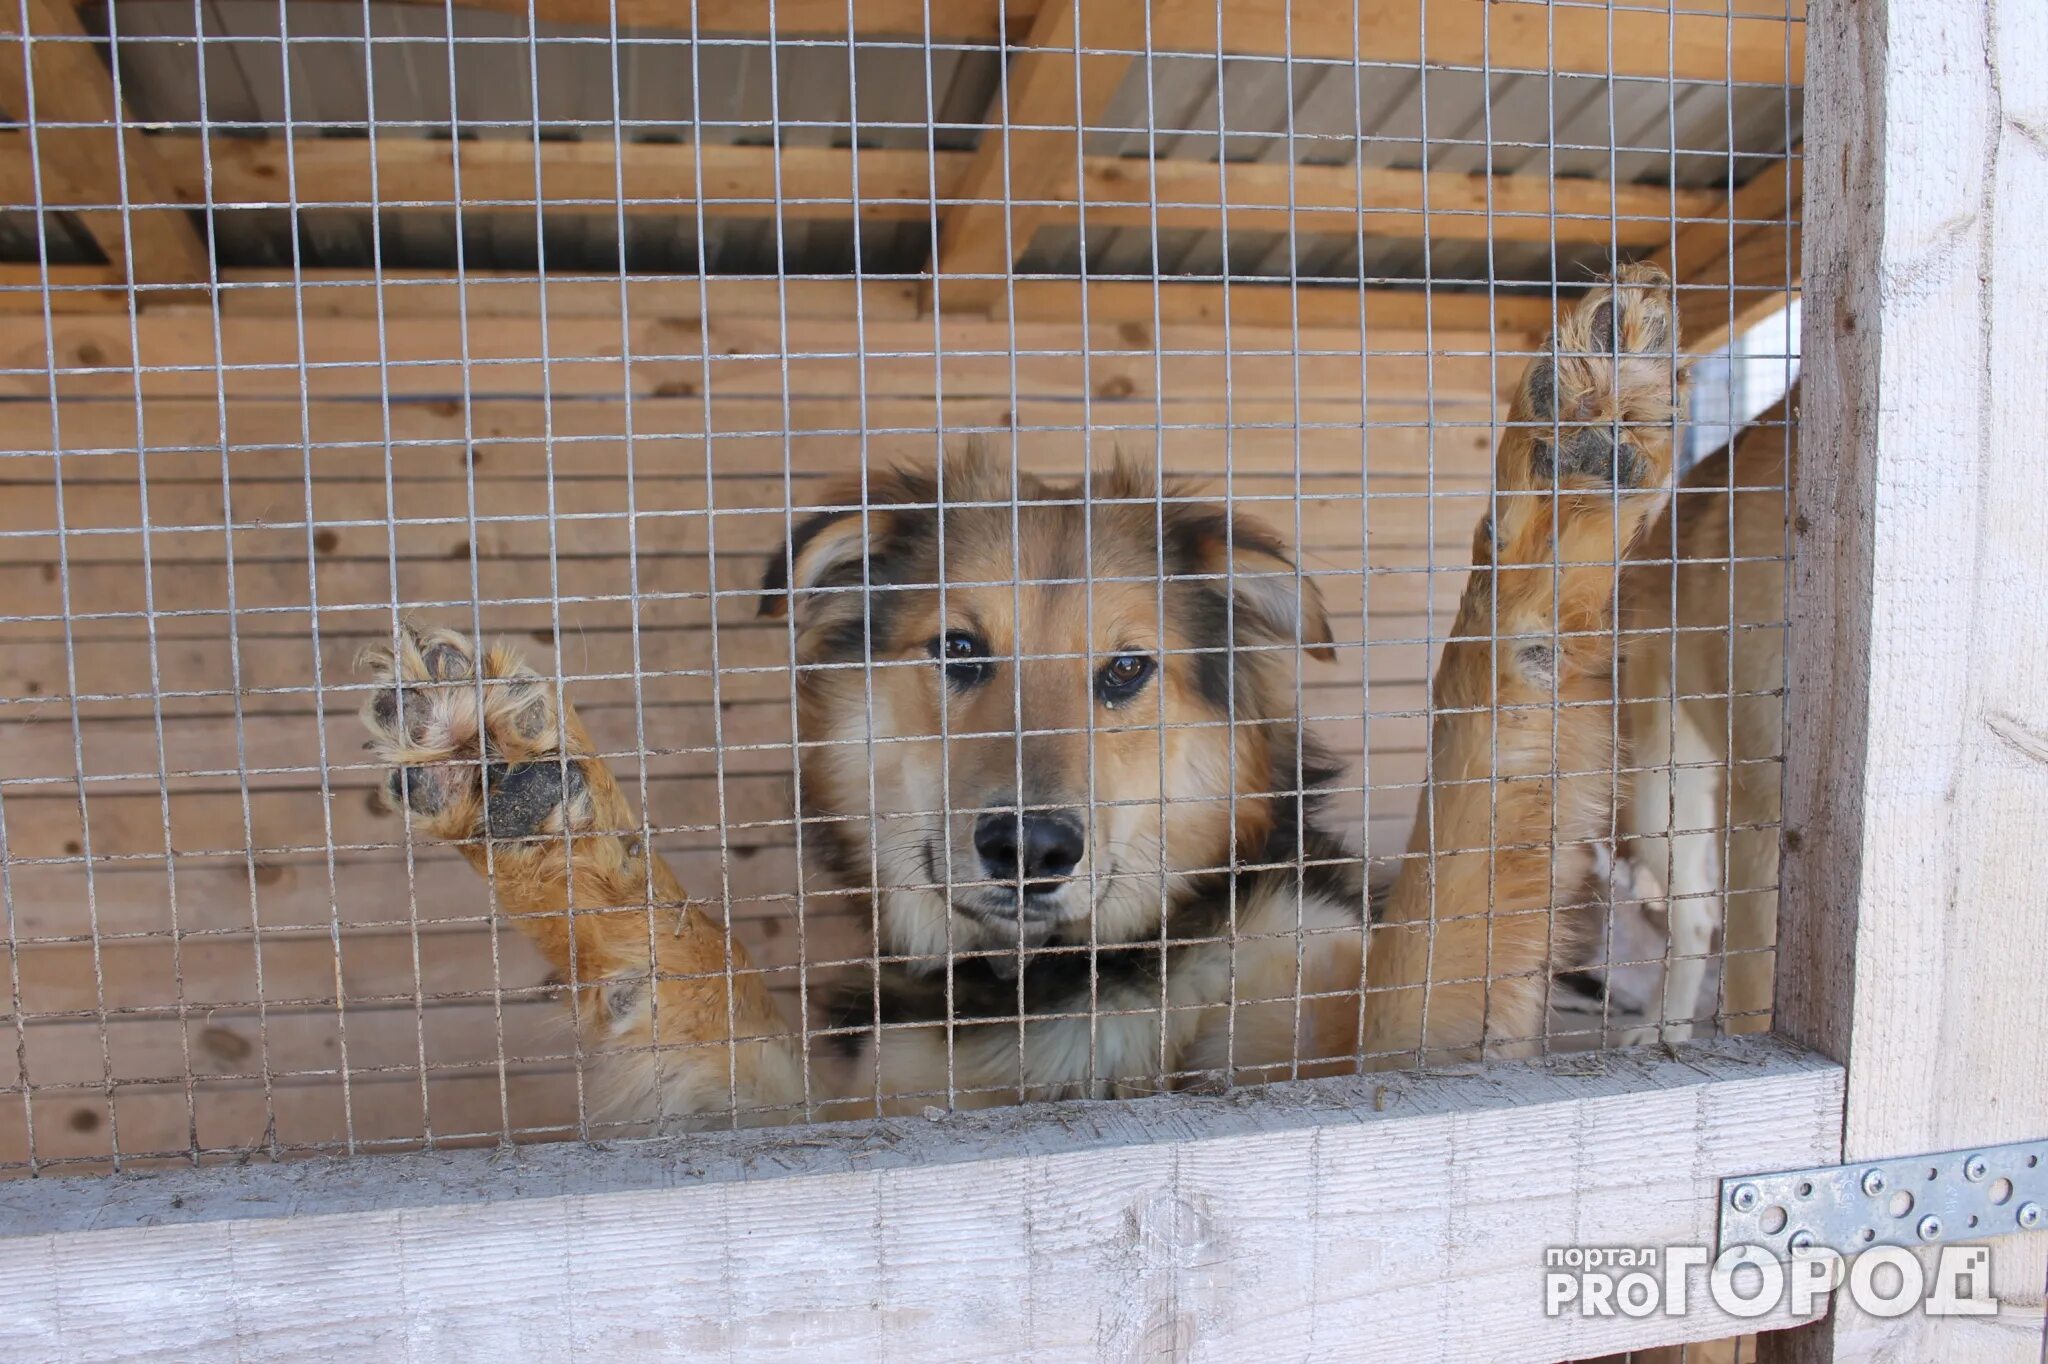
[
  {"x": 1463, "y": 319},
  {"x": 821, "y": 183},
  {"x": 1303, "y": 1219}
]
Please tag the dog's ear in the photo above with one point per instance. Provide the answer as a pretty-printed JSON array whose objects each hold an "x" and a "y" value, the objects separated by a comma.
[
  {"x": 1280, "y": 599},
  {"x": 824, "y": 551},
  {"x": 1275, "y": 603}
]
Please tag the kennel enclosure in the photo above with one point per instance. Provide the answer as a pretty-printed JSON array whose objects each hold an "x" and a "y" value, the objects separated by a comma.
[{"x": 266, "y": 398}]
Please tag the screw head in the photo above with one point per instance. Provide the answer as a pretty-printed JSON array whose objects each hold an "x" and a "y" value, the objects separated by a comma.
[
  {"x": 1929, "y": 1228},
  {"x": 2031, "y": 1215},
  {"x": 1975, "y": 1168},
  {"x": 1801, "y": 1240},
  {"x": 1745, "y": 1198},
  {"x": 1874, "y": 1182}
]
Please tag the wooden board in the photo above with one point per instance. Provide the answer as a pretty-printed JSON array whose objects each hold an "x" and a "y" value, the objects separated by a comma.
[
  {"x": 399, "y": 173},
  {"x": 1312, "y": 1222}
]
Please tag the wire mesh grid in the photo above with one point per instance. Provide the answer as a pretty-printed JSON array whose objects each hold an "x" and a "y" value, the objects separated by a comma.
[{"x": 761, "y": 382}]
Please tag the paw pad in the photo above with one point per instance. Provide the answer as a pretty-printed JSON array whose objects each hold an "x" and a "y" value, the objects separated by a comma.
[{"x": 470, "y": 757}]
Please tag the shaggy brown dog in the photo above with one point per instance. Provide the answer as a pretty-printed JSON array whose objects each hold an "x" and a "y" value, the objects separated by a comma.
[{"x": 1050, "y": 731}]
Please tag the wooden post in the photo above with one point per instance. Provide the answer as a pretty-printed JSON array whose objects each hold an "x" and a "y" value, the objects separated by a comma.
[{"x": 1914, "y": 941}]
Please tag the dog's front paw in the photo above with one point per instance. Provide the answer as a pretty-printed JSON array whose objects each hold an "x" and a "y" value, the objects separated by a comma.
[
  {"x": 476, "y": 746},
  {"x": 1599, "y": 408}
]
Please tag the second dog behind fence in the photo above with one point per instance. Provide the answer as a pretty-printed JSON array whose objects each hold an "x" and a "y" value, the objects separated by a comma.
[
  {"x": 1049, "y": 736},
  {"x": 1702, "y": 615}
]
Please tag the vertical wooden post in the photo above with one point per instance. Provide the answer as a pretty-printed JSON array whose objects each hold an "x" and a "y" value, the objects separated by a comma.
[{"x": 1914, "y": 941}]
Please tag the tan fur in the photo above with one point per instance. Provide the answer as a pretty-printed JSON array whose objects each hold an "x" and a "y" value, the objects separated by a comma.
[
  {"x": 609, "y": 917},
  {"x": 1729, "y": 643},
  {"x": 896, "y": 764},
  {"x": 1014, "y": 575},
  {"x": 1521, "y": 753}
]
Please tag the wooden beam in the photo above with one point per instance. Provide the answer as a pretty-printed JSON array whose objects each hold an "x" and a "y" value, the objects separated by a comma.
[
  {"x": 1320, "y": 1217},
  {"x": 72, "y": 289},
  {"x": 437, "y": 294},
  {"x": 572, "y": 177},
  {"x": 1054, "y": 83},
  {"x": 1652, "y": 41},
  {"x": 1313, "y": 307},
  {"x": 1916, "y": 762},
  {"x": 181, "y": 352},
  {"x": 45, "y": 75},
  {"x": 818, "y": 182},
  {"x": 1376, "y": 201},
  {"x": 957, "y": 20},
  {"x": 1736, "y": 267}
]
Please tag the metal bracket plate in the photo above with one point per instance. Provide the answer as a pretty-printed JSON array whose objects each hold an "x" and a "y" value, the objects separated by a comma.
[{"x": 1965, "y": 1195}]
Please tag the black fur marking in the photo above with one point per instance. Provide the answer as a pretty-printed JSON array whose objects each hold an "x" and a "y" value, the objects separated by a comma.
[
  {"x": 385, "y": 709},
  {"x": 518, "y": 799},
  {"x": 1207, "y": 620},
  {"x": 1543, "y": 391},
  {"x": 1631, "y": 470},
  {"x": 775, "y": 581}
]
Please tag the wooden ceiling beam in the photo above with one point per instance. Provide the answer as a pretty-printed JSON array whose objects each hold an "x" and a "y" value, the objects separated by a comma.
[
  {"x": 817, "y": 183},
  {"x": 1054, "y": 88},
  {"x": 56, "y": 76}
]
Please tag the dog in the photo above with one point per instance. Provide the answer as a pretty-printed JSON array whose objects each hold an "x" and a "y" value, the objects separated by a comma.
[
  {"x": 1047, "y": 734},
  {"x": 1702, "y": 610}
]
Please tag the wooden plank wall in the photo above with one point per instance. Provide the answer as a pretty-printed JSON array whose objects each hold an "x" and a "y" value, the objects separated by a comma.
[
  {"x": 274, "y": 965},
  {"x": 280, "y": 495}
]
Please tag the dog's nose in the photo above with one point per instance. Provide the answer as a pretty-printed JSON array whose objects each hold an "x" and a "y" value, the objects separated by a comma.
[{"x": 1051, "y": 843}]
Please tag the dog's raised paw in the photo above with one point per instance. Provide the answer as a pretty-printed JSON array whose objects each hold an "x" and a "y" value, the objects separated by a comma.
[
  {"x": 475, "y": 746},
  {"x": 1600, "y": 406}
]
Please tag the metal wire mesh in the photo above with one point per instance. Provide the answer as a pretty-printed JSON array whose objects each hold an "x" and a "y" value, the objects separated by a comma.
[{"x": 330, "y": 321}]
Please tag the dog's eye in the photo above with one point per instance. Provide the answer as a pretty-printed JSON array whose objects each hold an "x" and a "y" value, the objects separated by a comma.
[
  {"x": 1123, "y": 677},
  {"x": 965, "y": 657}
]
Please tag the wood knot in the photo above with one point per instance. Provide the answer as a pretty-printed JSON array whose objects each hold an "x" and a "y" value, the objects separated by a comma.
[{"x": 225, "y": 1044}]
